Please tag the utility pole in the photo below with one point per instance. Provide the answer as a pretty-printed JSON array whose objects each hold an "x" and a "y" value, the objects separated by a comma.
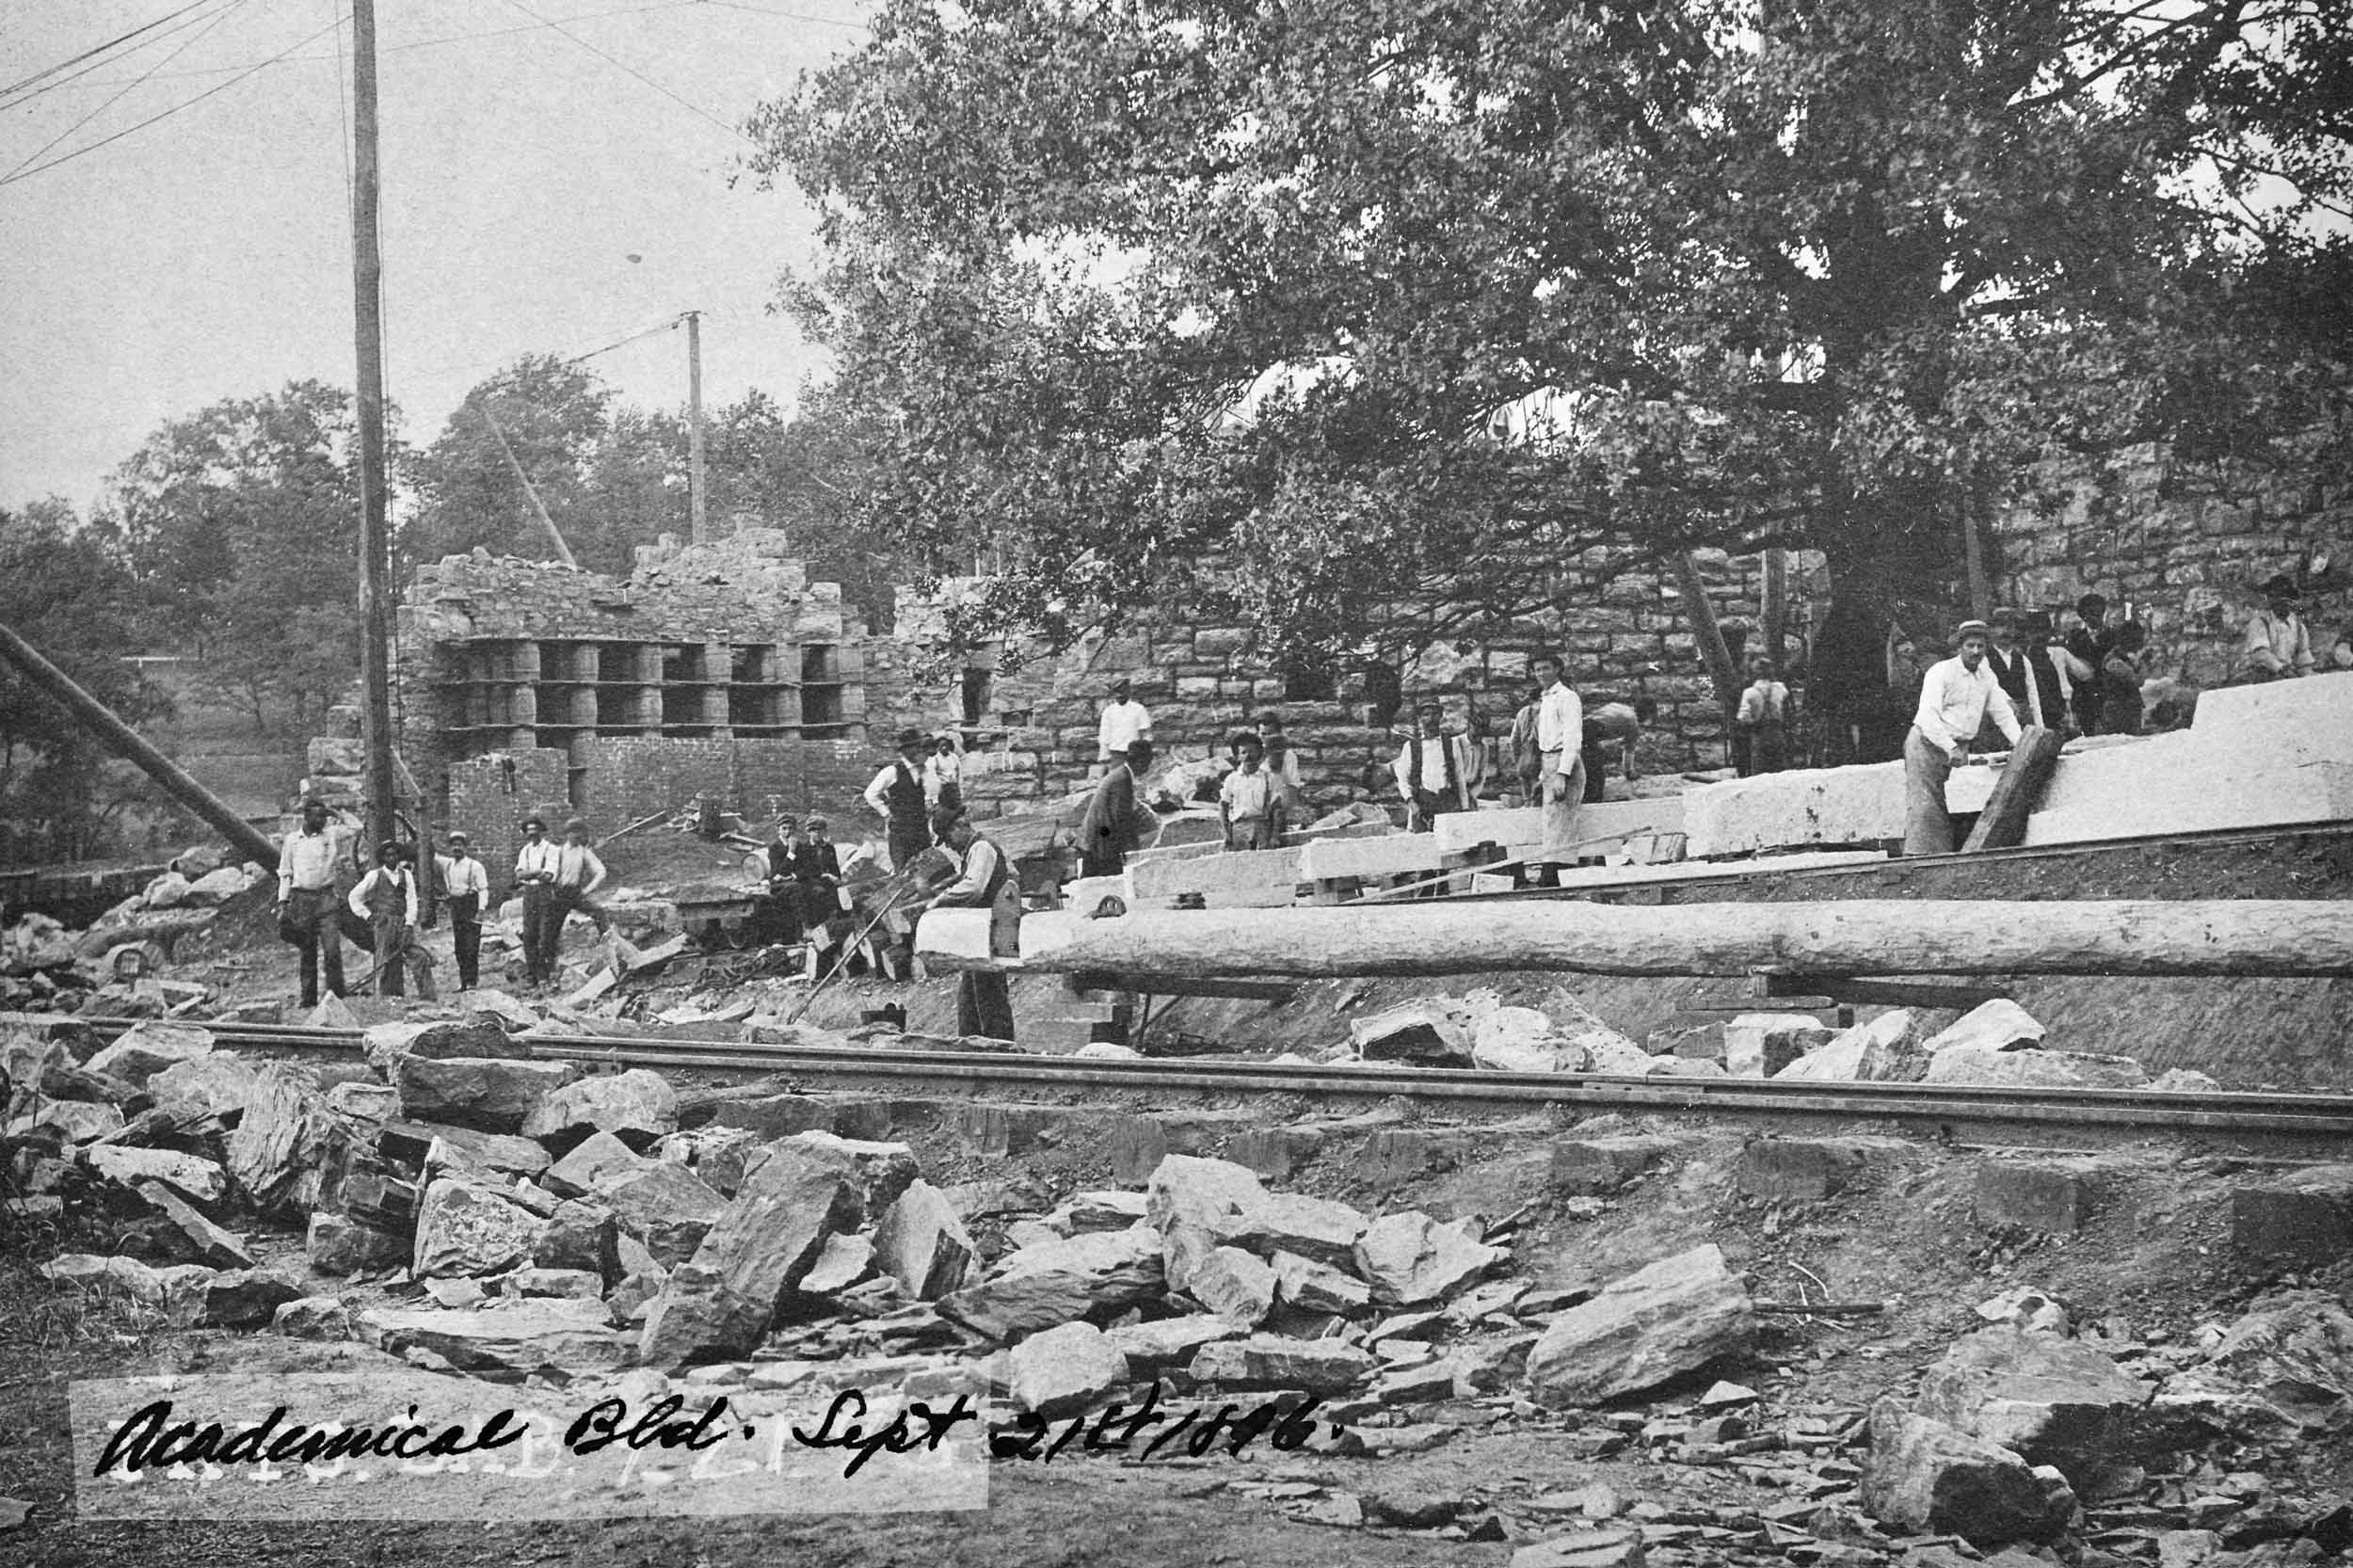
[
  {"x": 368, "y": 335},
  {"x": 698, "y": 528}
]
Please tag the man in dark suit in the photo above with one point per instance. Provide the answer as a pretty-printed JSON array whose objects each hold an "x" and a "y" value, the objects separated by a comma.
[{"x": 1108, "y": 833}]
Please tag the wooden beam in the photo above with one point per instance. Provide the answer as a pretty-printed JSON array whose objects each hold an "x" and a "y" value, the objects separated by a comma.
[
  {"x": 1701, "y": 612},
  {"x": 1241, "y": 990},
  {"x": 2002, "y": 825},
  {"x": 1843, "y": 937}
]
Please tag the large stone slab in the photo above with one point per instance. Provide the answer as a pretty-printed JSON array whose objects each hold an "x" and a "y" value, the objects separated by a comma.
[
  {"x": 637, "y": 1107},
  {"x": 569, "y": 1336},
  {"x": 1223, "y": 881},
  {"x": 1320, "y": 1228},
  {"x": 1658, "y": 1323},
  {"x": 1273, "y": 1361},
  {"x": 149, "y": 1048},
  {"x": 2052, "y": 1400},
  {"x": 190, "y": 1175},
  {"x": 1064, "y": 1369},
  {"x": 1391, "y": 854},
  {"x": 665, "y": 1206},
  {"x": 1923, "y": 1478},
  {"x": 1099, "y": 1273},
  {"x": 494, "y": 1093},
  {"x": 2034, "y": 1068},
  {"x": 276, "y": 1155}
]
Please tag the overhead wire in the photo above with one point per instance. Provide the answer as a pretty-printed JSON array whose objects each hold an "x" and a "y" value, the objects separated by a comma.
[
  {"x": 92, "y": 53},
  {"x": 627, "y": 69},
  {"x": 213, "y": 21},
  {"x": 21, "y": 173}
]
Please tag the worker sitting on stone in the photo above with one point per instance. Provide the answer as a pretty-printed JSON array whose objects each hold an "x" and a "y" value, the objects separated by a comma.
[
  {"x": 1956, "y": 695},
  {"x": 779, "y": 917}
]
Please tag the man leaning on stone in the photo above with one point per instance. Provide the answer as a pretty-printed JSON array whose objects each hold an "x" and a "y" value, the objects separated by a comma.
[{"x": 1955, "y": 696}]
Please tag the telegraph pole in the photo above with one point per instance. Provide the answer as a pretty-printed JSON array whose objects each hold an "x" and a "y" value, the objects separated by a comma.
[
  {"x": 699, "y": 529},
  {"x": 368, "y": 335}
]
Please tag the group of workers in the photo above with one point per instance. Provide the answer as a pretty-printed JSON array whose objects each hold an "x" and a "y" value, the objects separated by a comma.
[{"x": 555, "y": 881}]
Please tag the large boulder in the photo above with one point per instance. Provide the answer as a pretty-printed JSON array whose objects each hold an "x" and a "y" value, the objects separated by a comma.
[
  {"x": 637, "y": 1107},
  {"x": 339, "y": 1246},
  {"x": 276, "y": 1153},
  {"x": 192, "y": 1090},
  {"x": 592, "y": 1166},
  {"x": 2294, "y": 1351},
  {"x": 761, "y": 1245},
  {"x": 2052, "y": 1401},
  {"x": 1997, "y": 1025},
  {"x": 470, "y": 1228},
  {"x": 876, "y": 1172},
  {"x": 477, "y": 1037},
  {"x": 666, "y": 1206},
  {"x": 1761, "y": 1045},
  {"x": 189, "y": 1175},
  {"x": 1169, "y": 1342},
  {"x": 1523, "y": 1040},
  {"x": 1436, "y": 1031},
  {"x": 1661, "y": 1322},
  {"x": 1294, "y": 1223},
  {"x": 921, "y": 1243},
  {"x": 581, "y": 1234},
  {"x": 149, "y": 1048},
  {"x": 1410, "y": 1260},
  {"x": 1878, "y": 1051},
  {"x": 244, "y": 1298},
  {"x": 1197, "y": 1206},
  {"x": 1924, "y": 1478},
  {"x": 494, "y": 1093},
  {"x": 1235, "y": 1285},
  {"x": 1097, "y": 1274},
  {"x": 1064, "y": 1369}
]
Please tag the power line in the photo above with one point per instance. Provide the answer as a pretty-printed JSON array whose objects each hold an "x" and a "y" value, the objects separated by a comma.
[
  {"x": 215, "y": 19},
  {"x": 23, "y": 174},
  {"x": 14, "y": 87},
  {"x": 694, "y": 109}
]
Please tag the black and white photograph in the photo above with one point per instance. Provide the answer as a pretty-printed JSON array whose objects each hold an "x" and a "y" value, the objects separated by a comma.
[{"x": 1050, "y": 783}]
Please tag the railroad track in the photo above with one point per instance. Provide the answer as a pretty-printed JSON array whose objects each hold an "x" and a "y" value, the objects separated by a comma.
[{"x": 2316, "y": 1122}]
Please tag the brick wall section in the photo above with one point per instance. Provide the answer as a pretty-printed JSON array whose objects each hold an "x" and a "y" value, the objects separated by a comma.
[
  {"x": 2190, "y": 555},
  {"x": 489, "y": 796}
]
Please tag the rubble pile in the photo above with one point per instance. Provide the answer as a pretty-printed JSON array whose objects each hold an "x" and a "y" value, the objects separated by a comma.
[{"x": 45, "y": 967}]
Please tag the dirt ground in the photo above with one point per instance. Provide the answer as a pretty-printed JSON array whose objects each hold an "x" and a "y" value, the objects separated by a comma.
[{"x": 2152, "y": 1268}]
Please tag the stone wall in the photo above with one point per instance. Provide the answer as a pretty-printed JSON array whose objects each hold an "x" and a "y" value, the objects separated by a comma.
[
  {"x": 1622, "y": 632},
  {"x": 2188, "y": 552},
  {"x": 489, "y": 795}
]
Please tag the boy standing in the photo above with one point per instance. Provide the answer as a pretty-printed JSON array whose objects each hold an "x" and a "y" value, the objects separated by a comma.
[{"x": 1246, "y": 800}]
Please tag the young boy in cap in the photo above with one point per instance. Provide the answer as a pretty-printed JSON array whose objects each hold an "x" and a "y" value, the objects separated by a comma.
[{"x": 1246, "y": 801}]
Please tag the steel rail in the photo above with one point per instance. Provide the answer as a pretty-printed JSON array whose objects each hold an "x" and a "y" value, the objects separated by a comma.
[{"x": 2322, "y": 1115}]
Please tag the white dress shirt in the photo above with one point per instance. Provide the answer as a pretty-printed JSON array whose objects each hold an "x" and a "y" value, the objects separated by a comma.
[
  {"x": 307, "y": 860},
  {"x": 462, "y": 875},
  {"x": 1123, "y": 724},
  {"x": 536, "y": 861},
  {"x": 1247, "y": 795},
  {"x": 577, "y": 866},
  {"x": 1560, "y": 725},
  {"x": 1955, "y": 701},
  {"x": 1422, "y": 762},
  {"x": 2280, "y": 644}
]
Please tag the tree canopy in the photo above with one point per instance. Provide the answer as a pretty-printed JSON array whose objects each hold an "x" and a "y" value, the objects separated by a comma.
[
  {"x": 1551, "y": 275},
  {"x": 237, "y": 525}
]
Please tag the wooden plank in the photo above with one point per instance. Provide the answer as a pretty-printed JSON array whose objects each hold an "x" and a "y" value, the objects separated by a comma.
[{"x": 2002, "y": 825}]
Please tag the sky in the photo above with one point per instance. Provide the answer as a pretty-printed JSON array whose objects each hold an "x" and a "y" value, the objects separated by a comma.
[{"x": 539, "y": 196}]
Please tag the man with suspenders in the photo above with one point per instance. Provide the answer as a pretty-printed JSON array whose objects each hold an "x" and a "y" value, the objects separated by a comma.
[{"x": 897, "y": 796}]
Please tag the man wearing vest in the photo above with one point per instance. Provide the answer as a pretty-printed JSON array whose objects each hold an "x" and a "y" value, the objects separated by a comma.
[
  {"x": 897, "y": 796},
  {"x": 306, "y": 900},
  {"x": 466, "y": 882},
  {"x": 1434, "y": 771},
  {"x": 385, "y": 898},
  {"x": 985, "y": 881}
]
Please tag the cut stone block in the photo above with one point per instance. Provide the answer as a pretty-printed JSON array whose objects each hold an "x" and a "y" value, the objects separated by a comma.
[
  {"x": 1800, "y": 1170},
  {"x": 2304, "y": 1220},
  {"x": 1595, "y": 1167},
  {"x": 1661, "y": 1322},
  {"x": 1271, "y": 1361},
  {"x": 2055, "y": 1198},
  {"x": 1393, "y": 854}
]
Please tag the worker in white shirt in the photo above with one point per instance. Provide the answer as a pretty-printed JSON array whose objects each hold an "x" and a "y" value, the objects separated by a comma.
[
  {"x": 385, "y": 898},
  {"x": 1763, "y": 719},
  {"x": 1125, "y": 722},
  {"x": 1434, "y": 771},
  {"x": 943, "y": 774},
  {"x": 1282, "y": 764},
  {"x": 1561, "y": 757},
  {"x": 466, "y": 882},
  {"x": 897, "y": 795},
  {"x": 307, "y": 908},
  {"x": 1955, "y": 696},
  {"x": 1249, "y": 801},
  {"x": 2278, "y": 641}
]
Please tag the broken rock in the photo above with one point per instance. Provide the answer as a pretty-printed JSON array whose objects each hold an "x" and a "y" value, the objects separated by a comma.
[
  {"x": 2050, "y": 1401},
  {"x": 1759, "y": 1045},
  {"x": 191, "y": 1176},
  {"x": 311, "y": 1318},
  {"x": 1272, "y": 1361},
  {"x": 1410, "y": 1259},
  {"x": 1666, "y": 1320},
  {"x": 341, "y": 1246},
  {"x": 581, "y": 1235},
  {"x": 1169, "y": 1342},
  {"x": 1065, "y": 1369},
  {"x": 1197, "y": 1206},
  {"x": 2034, "y": 1069},
  {"x": 1998, "y": 1025},
  {"x": 844, "y": 1260},
  {"x": 1314, "y": 1287},
  {"x": 1036, "y": 1288},
  {"x": 244, "y": 1298},
  {"x": 637, "y": 1107},
  {"x": 1235, "y": 1285},
  {"x": 275, "y": 1154},
  {"x": 495, "y": 1094},
  {"x": 1294, "y": 1223},
  {"x": 469, "y": 1228},
  {"x": 664, "y": 1206},
  {"x": 149, "y": 1048},
  {"x": 568, "y": 1335},
  {"x": 589, "y": 1169},
  {"x": 921, "y": 1243},
  {"x": 1925, "y": 1478},
  {"x": 204, "y": 1241},
  {"x": 1433, "y": 1033}
]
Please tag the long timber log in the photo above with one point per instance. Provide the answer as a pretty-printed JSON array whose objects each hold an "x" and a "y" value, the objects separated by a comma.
[
  {"x": 95, "y": 715},
  {"x": 1856, "y": 936}
]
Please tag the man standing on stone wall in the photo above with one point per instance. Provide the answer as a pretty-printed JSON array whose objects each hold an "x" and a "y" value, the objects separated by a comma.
[
  {"x": 308, "y": 910},
  {"x": 897, "y": 796},
  {"x": 1125, "y": 722},
  {"x": 1958, "y": 695},
  {"x": 1560, "y": 753}
]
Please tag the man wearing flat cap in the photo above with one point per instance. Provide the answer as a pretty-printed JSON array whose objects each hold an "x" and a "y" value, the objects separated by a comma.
[
  {"x": 897, "y": 797},
  {"x": 2279, "y": 642},
  {"x": 1955, "y": 696}
]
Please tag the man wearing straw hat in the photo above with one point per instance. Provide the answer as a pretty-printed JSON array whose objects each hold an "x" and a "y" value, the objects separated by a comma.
[{"x": 1955, "y": 696}]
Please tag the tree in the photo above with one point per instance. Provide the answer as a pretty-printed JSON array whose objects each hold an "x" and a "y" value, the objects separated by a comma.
[
  {"x": 63, "y": 593},
  {"x": 1832, "y": 272},
  {"x": 804, "y": 473},
  {"x": 239, "y": 525}
]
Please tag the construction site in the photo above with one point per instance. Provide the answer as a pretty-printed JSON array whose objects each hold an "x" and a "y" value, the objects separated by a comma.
[{"x": 1734, "y": 1191}]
